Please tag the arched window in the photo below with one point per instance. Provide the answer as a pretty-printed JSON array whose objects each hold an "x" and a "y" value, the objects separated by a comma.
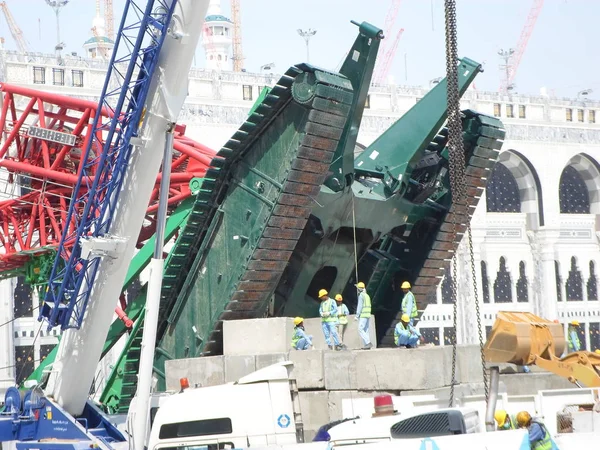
[
  {"x": 447, "y": 287},
  {"x": 522, "y": 294},
  {"x": 574, "y": 283},
  {"x": 503, "y": 284},
  {"x": 219, "y": 57},
  {"x": 574, "y": 196},
  {"x": 485, "y": 283},
  {"x": 592, "y": 284},
  {"x": 502, "y": 192}
]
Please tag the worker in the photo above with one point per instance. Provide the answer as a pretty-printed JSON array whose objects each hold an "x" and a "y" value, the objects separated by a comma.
[
  {"x": 406, "y": 335},
  {"x": 539, "y": 437},
  {"x": 574, "y": 343},
  {"x": 504, "y": 421},
  {"x": 300, "y": 340},
  {"x": 343, "y": 314},
  {"x": 329, "y": 320},
  {"x": 409, "y": 304},
  {"x": 363, "y": 314}
]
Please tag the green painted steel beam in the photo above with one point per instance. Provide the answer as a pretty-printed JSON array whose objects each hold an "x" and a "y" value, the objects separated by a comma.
[
  {"x": 136, "y": 307},
  {"x": 358, "y": 68},
  {"x": 393, "y": 155}
]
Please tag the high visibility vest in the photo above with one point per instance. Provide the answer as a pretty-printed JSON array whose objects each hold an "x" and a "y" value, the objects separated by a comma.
[
  {"x": 413, "y": 312},
  {"x": 366, "y": 306},
  {"x": 329, "y": 306},
  {"x": 577, "y": 341},
  {"x": 545, "y": 443},
  {"x": 509, "y": 424},
  {"x": 343, "y": 314},
  {"x": 297, "y": 336}
]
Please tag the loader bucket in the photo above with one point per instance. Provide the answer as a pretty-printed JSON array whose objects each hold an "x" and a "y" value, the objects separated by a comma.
[{"x": 518, "y": 337}]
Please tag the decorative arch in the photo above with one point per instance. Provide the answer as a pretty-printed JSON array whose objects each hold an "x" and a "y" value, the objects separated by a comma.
[
  {"x": 528, "y": 184},
  {"x": 582, "y": 172}
]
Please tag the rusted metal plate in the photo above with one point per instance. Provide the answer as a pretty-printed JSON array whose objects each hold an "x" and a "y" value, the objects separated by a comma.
[
  {"x": 423, "y": 289},
  {"x": 477, "y": 182},
  {"x": 277, "y": 266},
  {"x": 255, "y": 286},
  {"x": 294, "y": 200},
  {"x": 440, "y": 254},
  {"x": 448, "y": 227},
  {"x": 300, "y": 188},
  {"x": 436, "y": 263},
  {"x": 476, "y": 172},
  {"x": 277, "y": 244},
  {"x": 473, "y": 191},
  {"x": 242, "y": 306},
  {"x": 306, "y": 177},
  {"x": 314, "y": 154},
  {"x": 317, "y": 129},
  {"x": 427, "y": 281},
  {"x": 319, "y": 142},
  {"x": 426, "y": 272},
  {"x": 287, "y": 222},
  {"x": 271, "y": 255},
  {"x": 441, "y": 245},
  {"x": 248, "y": 295},
  {"x": 458, "y": 209},
  {"x": 460, "y": 219},
  {"x": 282, "y": 233},
  {"x": 484, "y": 163},
  {"x": 233, "y": 315},
  {"x": 307, "y": 165},
  {"x": 339, "y": 109},
  {"x": 326, "y": 119},
  {"x": 291, "y": 211},
  {"x": 445, "y": 237},
  {"x": 255, "y": 275}
]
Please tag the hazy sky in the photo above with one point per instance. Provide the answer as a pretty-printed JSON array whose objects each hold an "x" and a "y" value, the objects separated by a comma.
[{"x": 562, "y": 54}]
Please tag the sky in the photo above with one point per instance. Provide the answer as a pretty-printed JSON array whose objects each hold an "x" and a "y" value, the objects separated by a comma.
[{"x": 562, "y": 53}]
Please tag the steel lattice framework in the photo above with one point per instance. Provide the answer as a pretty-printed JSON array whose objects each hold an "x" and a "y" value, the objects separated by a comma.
[{"x": 38, "y": 176}]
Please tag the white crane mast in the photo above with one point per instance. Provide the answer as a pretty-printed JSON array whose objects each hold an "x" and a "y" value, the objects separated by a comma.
[{"x": 80, "y": 349}]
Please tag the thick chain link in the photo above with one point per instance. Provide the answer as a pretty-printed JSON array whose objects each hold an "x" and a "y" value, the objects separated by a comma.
[{"x": 458, "y": 185}]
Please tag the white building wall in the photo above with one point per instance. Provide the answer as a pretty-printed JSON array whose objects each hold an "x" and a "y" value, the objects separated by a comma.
[{"x": 216, "y": 108}]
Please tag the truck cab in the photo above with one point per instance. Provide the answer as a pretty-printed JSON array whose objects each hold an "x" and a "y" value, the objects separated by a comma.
[{"x": 256, "y": 410}]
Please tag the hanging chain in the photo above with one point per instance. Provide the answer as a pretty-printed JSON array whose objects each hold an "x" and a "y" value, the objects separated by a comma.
[{"x": 458, "y": 185}]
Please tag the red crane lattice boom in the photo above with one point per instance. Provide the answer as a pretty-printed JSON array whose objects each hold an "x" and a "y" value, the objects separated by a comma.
[
  {"x": 515, "y": 58},
  {"x": 38, "y": 169}
]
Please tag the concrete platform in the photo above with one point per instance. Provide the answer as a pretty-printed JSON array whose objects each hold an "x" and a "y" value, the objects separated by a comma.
[{"x": 274, "y": 335}]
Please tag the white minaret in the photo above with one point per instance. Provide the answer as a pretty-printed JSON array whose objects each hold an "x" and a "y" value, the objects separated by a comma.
[
  {"x": 217, "y": 38},
  {"x": 99, "y": 46}
]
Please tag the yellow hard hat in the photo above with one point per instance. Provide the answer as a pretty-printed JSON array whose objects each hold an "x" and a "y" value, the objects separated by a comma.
[
  {"x": 323, "y": 293},
  {"x": 405, "y": 318},
  {"x": 405, "y": 285},
  {"x": 360, "y": 285},
  {"x": 575, "y": 323},
  {"x": 597, "y": 351},
  {"x": 500, "y": 417},
  {"x": 523, "y": 418},
  {"x": 298, "y": 320},
  {"x": 338, "y": 297}
]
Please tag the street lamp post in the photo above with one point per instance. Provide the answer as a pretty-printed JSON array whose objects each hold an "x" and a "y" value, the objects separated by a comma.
[{"x": 307, "y": 35}]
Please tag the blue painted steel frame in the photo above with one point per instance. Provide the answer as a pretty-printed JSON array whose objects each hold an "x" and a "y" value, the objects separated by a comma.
[{"x": 92, "y": 211}]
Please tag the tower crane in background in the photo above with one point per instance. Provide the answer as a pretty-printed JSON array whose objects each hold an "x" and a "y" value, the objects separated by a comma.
[
  {"x": 238, "y": 54},
  {"x": 15, "y": 31},
  {"x": 514, "y": 57},
  {"x": 104, "y": 52},
  {"x": 388, "y": 49},
  {"x": 109, "y": 20}
]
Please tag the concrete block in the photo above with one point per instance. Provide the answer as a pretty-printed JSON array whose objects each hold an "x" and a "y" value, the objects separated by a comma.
[
  {"x": 238, "y": 366},
  {"x": 270, "y": 359},
  {"x": 403, "y": 369},
  {"x": 272, "y": 335},
  {"x": 531, "y": 383},
  {"x": 207, "y": 371},
  {"x": 313, "y": 406},
  {"x": 308, "y": 368},
  {"x": 340, "y": 369},
  {"x": 337, "y": 397},
  {"x": 351, "y": 338}
]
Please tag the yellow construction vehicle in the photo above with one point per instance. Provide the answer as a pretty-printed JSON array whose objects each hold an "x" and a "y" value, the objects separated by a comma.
[{"x": 524, "y": 339}]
